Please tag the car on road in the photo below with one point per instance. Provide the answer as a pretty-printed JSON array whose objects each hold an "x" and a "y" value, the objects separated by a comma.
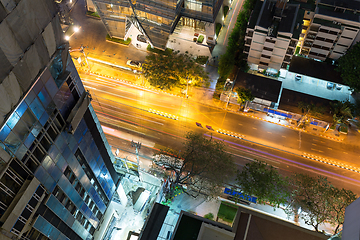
[
  {"x": 134, "y": 64},
  {"x": 330, "y": 85},
  {"x": 297, "y": 77}
]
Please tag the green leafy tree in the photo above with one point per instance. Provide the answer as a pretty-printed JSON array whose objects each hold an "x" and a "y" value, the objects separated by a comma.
[
  {"x": 310, "y": 109},
  {"x": 349, "y": 67},
  {"x": 165, "y": 71},
  {"x": 202, "y": 167},
  {"x": 341, "y": 199},
  {"x": 313, "y": 196},
  {"x": 342, "y": 111},
  {"x": 319, "y": 201},
  {"x": 263, "y": 181},
  {"x": 244, "y": 95}
]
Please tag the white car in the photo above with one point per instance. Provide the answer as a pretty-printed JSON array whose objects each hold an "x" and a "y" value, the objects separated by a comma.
[{"x": 134, "y": 64}]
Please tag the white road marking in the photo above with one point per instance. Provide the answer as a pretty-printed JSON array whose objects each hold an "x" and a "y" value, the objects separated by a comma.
[{"x": 316, "y": 150}]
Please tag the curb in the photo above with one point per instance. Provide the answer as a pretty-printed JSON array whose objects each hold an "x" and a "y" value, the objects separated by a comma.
[{"x": 330, "y": 162}]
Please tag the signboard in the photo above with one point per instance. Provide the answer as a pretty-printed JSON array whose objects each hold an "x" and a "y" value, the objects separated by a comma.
[{"x": 240, "y": 195}]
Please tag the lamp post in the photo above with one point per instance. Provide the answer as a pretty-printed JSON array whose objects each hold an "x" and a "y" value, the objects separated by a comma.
[{"x": 187, "y": 86}]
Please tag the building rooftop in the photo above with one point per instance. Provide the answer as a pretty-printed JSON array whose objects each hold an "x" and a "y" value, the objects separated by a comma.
[
  {"x": 265, "y": 227},
  {"x": 255, "y": 14},
  {"x": 290, "y": 99},
  {"x": 343, "y": 9},
  {"x": 279, "y": 17},
  {"x": 261, "y": 87},
  {"x": 310, "y": 67}
]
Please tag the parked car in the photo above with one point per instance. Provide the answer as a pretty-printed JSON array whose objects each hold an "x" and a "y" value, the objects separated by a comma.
[
  {"x": 134, "y": 64},
  {"x": 338, "y": 87},
  {"x": 330, "y": 85},
  {"x": 297, "y": 77}
]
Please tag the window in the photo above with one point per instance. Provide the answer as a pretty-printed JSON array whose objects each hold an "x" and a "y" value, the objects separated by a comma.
[
  {"x": 268, "y": 49},
  {"x": 264, "y": 63},
  {"x": 270, "y": 41}
]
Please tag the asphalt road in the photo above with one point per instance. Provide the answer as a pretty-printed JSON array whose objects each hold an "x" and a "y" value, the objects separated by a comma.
[{"x": 124, "y": 111}]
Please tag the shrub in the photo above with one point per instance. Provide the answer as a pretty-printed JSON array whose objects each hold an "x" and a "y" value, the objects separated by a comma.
[
  {"x": 118, "y": 40},
  {"x": 201, "y": 59},
  {"x": 226, "y": 10},
  {"x": 94, "y": 14},
  {"x": 209, "y": 216},
  {"x": 159, "y": 51},
  {"x": 200, "y": 39},
  {"x": 227, "y": 211},
  {"x": 218, "y": 28}
]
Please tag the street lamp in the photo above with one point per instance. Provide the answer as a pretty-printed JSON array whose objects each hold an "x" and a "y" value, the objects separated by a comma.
[{"x": 187, "y": 86}]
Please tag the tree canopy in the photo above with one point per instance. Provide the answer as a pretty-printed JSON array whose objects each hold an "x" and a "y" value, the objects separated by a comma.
[
  {"x": 342, "y": 111},
  {"x": 349, "y": 67},
  {"x": 201, "y": 167},
  {"x": 263, "y": 181},
  {"x": 244, "y": 95},
  {"x": 165, "y": 71},
  {"x": 319, "y": 200},
  {"x": 310, "y": 109}
]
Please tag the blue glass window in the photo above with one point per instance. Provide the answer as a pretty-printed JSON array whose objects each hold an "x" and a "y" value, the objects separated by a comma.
[
  {"x": 53, "y": 152},
  {"x": 29, "y": 140},
  {"x": 21, "y": 130},
  {"x": 38, "y": 86},
  {"x": 51, "y": 87},
  {"x": 4, "y": 132},
  {"x": 44, "y": 118},
  {"x": 12, "y": 142},
  {"x": 44, "y": 97},
  {"x": 21, "y": 151},
  {"x": 37, "y": 108},
  {"x": 28, "y": 118},
  {"x": 22, "y": 108},
  {"x": 14, "y": 118},
  {"x": 30, "y": 97},
  {"x": 36, "y": 129}
]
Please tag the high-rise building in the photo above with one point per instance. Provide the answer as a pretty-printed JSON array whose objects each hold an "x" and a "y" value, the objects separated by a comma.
[
  {"x": 334, "y": 27},
  {"x": 272, "y": 34},
  {"x": 155, "y": 19},
  {"x": 56, "y": 172}
]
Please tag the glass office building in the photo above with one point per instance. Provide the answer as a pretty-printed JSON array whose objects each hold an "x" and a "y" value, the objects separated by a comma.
[
  {"x": 56, "y": 173},
  {"x": 155, "y": 19}
]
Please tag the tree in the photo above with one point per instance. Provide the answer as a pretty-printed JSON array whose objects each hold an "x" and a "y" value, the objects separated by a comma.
[
  {"x": 341, "y": 111},
  {"x": 165, "y": 71},
  {"x": 263, "y": 181},
  {"x": 318, "y": 201},
  {"x": 349, "y": 67},
  {"x": 341, "y": 199},
  {"x": 201, "y": 167},
  {"x": 313, "y": 196},
  {"x": 244, "y": 95},
  {"x": 310, "y": 109}
]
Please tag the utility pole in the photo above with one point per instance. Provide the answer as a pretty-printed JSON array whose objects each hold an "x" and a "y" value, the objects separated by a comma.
[{"x": 137, "y": 147}]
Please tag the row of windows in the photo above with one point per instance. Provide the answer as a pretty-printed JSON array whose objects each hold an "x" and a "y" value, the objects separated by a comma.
[
  {"x": 80, "y": 189},
  {"x": 85, "y": 166},
  {"x": 70, "y": 206}
]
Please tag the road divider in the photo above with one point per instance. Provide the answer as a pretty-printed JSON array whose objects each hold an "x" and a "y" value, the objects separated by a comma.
[
  {"x": 231, "y": 134},
  {"x": 167, "y": 115},
  {"x": 331, "y": 162}
]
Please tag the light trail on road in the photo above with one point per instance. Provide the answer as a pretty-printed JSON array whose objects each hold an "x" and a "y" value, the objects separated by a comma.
[{"x": 288, "y": 161}]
